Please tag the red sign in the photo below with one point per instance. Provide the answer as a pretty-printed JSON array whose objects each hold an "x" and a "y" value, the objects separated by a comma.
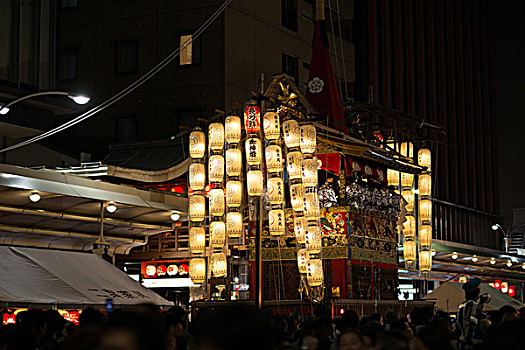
[
  {"x": 252, "y": 118},
  {"x": 165, "y": 269}
]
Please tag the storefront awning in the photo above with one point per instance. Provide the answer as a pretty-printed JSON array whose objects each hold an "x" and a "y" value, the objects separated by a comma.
[{"x": 50, "y": 278}]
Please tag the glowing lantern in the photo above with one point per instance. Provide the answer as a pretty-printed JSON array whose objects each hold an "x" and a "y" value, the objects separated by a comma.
[
  {"x": 197, "y": 143},
  {"x": 272, "y": 129},
  {"x": 217, "y": 205},
  {"x": 512, "y": 291},
  {"x": 409, "y": 227},
  {"x": 253, "y": 151},
  {"x": 216, "y": 168},
  {"x": 497, "y": 284},
  {"x": 424, "y": 157},
  {"x": 407, "y": 149},
  {"x": 217, "y": 234},
  {"x": 252, "y": 118},
  {"x": 233, "y": 162},
  {"x": 425, "y": 261},
  {"x": 197, "y": 208},
  {"x": 292, "y": 133},
  {"x": 197, "y": 240},
  {"x": 313, "y": 239},
  {"x": 308, "y": 139},
  {"x": 274, "y": 158},
  {"x": 299, "y": 226},
  {"x": 219, "y": 266},
  {"x": 407, "y": 180},
  {"x": 197, "y": 176},
  {"x": 314, "y": 274},
  {"x": 302, "y": 260},
  {"x": 254, "y": 181},
  {"x": 311, "y": 205},
  {"x": 296, "y": 197},
  {"x": 233, "y": 194},
  {"x": 216, "y": 136},
  {"x": 425, "y": 235},
  {"x": 408, "y": 195},
  {"x": 425, "y": 210},
  {"x": 409, "y": 251},
  {"x": 504, "y": 287},
  {"x": 294, "y": 162},
  {"x": 234, "y": 224},
  {"x": 425, "y": 185},
  {"x": 275, "y": 190},
  {"x": 276, "y": 222},
  {"x": 233, "y": 129},
  {"x": 197, "y": 270},
  {"x": 309, "y": 174},
  {"x": 392, "y": 177}
]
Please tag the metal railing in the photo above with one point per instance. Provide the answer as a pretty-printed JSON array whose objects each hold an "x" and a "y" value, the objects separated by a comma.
[{"x": 456, "y": 223}]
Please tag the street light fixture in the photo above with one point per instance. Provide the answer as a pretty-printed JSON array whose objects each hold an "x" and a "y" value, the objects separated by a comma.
[{"x": 79, "y": 99}]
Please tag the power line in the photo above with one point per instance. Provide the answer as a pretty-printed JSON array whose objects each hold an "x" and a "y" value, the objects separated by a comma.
[{"x": 126, "y": 91}]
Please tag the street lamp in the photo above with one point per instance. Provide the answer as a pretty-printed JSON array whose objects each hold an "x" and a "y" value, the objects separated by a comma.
[
  {"x": 506, "y": 237},
  {"x": 79, "y": 99}
]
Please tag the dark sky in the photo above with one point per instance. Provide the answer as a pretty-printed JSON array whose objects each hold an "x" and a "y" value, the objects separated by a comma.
[{"x": 509, "y": 73}]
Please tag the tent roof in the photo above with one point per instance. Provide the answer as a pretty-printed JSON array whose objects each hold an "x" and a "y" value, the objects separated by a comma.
[
  {"x": 42, "y": 277},
  {"x": 450, "y": 295}
]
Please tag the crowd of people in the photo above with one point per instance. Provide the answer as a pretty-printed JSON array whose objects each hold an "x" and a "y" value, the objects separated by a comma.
[{"x": 144, "y": 327}]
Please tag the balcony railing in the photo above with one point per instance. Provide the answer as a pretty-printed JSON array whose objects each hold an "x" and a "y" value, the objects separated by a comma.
[{"x": 456, "y": 223}]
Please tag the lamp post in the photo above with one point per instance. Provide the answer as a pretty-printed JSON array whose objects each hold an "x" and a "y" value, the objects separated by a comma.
[
  {"x": 79, "y": 99},
  {"x": 507, "y": 236}
]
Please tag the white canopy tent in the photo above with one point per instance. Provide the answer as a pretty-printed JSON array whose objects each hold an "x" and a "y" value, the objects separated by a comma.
[
  {"x": 61, "y": 279},
  {"x": 450, "y": 295}
]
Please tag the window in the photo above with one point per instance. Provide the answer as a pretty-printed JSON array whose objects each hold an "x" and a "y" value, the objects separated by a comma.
[
  {"x": 126, "y": 130},
  {"x": 289, "y": 14},
  {"x": 126, "y": 59},
  {"x": 67, "y": 65},
  {"x": 190, "y": 53},
  {"x": 68, "y": 4},
  {"x": 290, "y": 66}
]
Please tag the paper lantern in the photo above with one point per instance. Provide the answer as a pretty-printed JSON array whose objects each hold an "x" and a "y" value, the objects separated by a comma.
[
  {"x": 233, "y": 194},
  {"x": 309, "y": 172},
  {"x": 272, "y": 129},
  {"x": 425, "y": 185},
  {"x": 425, "y": 261},
  {"x": 197, "y": 240},
  {"x": 219, "y": 265},
  {"x": 254, "y": 180},
  {"x": 425, "y": 235},
  {"x": 274, "y": 158},
  {"x": 216, "y": 168},
  {"x": 504, "y": 287},
  {"x": 276, "y": 222},
  {"x": 299, "y": 226},
  {"x": 197, "y": 176},
  {"x": 313, "y": 239},
  {"x": 297, "y": 197},
  {"x": 198, "y": 270},
  {"x": 197, "y": 208},
  {"x": 302, "y": 260},
  {"x": 252, "y": 118},
  {"x": 393, "y": 178},
  {"x": 253, "y": 151},
  {"x": 217, "y": 202},
  {"x": 425, "y": 210},
  {"x": 409, "y": 251},
  {"x": 217, "y": 234},
  {"x": 234, "y": 224},
  {"x": 292, "y": 133},
  {"x": 275, "y": 187},
  {"x": 197, "y": 143},
  {"x": 424, "y": 157},
  {"x": 308, "y": 139},
  {"x": 216, "y": 136},
  {"x": 512, "y": 291},
  {"x": 409, "y": 227},
  {"x": 233, "y": 162},
  {"x": 407, "y": 149},
  {"x": 314, "y": 274},
  {"x": 407, "y": 180},
  {"x": 408, "y": 195},
  {"x": 311, "y": 204},
  {"x": 294, "y": 161},
  {"x": 232, "y": 128}
]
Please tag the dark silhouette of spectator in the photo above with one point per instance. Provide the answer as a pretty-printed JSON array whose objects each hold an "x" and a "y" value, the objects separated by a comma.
[
  {"x": 377, "y": 318},
  {"x": 91, "y": 318},
  {"x": 436, "y": 336},
  {"x": 12, "y": 338},
  {"x": 391, "y": 341},
  {"x": 34, "y": 322},
  {"x": 350, "y": 339},
  {"x": 371, "y": 332},
  {"x": 175, "y": 330},
  {"x": 521, "y": 313},
  {"x": 315, "y": 336},
  {"x": 390, "y": 317}
]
